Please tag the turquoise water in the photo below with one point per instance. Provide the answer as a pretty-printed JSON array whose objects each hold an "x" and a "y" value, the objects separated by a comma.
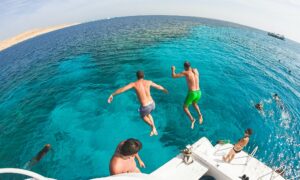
[{"x": 54, "y": 89}]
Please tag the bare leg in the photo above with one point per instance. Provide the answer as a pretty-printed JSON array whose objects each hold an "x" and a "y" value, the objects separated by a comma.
[
  {"x": 229, "y": 156},
  {"x": 154, "y": 128},
  {"x": 225, "y": 158},
  {"x": 149, "y": 122},
  {"x": 199, "y": 113},
  {"x": 186, "y": 110}
]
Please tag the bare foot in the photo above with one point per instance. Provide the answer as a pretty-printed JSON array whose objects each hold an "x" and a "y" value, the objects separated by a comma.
[
  {"x": 193, "y": 123},
  {"x": 155, "y": 131},
  {"x": 200, "y": 119}
]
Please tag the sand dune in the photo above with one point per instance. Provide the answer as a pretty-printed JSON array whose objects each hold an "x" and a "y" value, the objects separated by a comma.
[{"x": 30, "y": 34}]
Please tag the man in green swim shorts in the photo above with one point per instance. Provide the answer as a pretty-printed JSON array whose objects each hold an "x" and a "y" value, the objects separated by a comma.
[{"x": 194, "y": 93}]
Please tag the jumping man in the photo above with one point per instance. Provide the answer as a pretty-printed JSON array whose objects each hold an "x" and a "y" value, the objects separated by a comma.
[
  {"x": 194, "y": 94},
  {"x": 142, "y": 89}
]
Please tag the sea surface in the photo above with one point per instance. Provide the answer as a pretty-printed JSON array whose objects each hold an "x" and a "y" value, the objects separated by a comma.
[{"x": 54, "y": 89}]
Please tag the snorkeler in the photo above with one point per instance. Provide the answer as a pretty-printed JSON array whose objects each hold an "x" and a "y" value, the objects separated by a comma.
[
  {"x": 238, "y": 147},
  {"x": 276, "y": 97},
  {"x": 38, "y": 157},
  {"x": 194, "y": 93},
  {"x": 142, "y": 89},
  {"x": 259, "y": 106},
  {"x": 123, "y": 160},
  {"x": 278, "y": 101}
]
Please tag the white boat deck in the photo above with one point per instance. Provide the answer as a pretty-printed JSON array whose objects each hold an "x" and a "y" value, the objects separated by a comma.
[
  {"x": 176, "y": 169},
  {"x": 240, "y": 165}
]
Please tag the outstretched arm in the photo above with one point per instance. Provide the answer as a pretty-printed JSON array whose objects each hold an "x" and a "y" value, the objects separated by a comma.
[
  {"x": 141, "y": 163},
  {"x": 159, "y": 87},
  {"x": 174, "y": 75},
  {"x": 119, "y": 91}
]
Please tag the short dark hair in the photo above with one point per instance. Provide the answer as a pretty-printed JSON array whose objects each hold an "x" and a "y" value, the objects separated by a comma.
[
  {"x": 187, "y": 64},
  {"x": 140, "y": 74},
  {"x": 248, "y": 131},
  {"x": 130, "y": 146}
]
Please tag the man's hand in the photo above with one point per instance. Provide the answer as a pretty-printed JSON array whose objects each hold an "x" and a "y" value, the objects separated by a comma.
[
  {"x": 165, "y": 91},
  {"x": 173, "y": 68},
  {"x": 110, "y": 99},
  {"x": 142, "y": 165}
]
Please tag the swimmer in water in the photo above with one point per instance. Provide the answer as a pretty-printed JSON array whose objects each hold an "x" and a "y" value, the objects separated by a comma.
[
  {"x": 276, "y": 97},
  {"x": 38, "y": 157},
  {"x": 259, "y": 106},
  {"x": 194, "y": 93},
  {"x": 123, "y": 160},
  {"x": 238, "y": 147},
  {"x": 278, "y": 101},
  {"x": 142, "y": 89}
]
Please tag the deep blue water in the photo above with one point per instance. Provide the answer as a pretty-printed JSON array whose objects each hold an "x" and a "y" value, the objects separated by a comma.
[{"x": 54, "y": 89}]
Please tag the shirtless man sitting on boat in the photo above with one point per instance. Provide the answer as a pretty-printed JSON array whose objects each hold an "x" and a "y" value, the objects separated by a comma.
[
  {"x": 142, "y": 89},
  {"x": 194, "y": 93},
  {"x": 123, "y": 160},
  {"x": 238, "y": 147}
]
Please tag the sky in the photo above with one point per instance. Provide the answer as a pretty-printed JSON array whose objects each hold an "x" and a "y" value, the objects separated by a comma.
[{"x": 279, "y": 16}]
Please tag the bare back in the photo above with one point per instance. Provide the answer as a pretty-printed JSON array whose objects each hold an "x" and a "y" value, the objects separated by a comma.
[
  {"x": 192, "y": 79},
  {"x": 118, "y": 165},
  {"x": 142, "y": 89},
  {"x": 242, "y": 142}
]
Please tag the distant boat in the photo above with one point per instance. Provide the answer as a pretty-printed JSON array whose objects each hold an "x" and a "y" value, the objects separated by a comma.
[{"x": 278, "y": 36}]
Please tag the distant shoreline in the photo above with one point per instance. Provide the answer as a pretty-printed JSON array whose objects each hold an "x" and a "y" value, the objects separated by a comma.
[{"x": 30, "y": 34}]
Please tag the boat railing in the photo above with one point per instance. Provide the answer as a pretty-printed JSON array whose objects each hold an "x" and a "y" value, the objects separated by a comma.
[
  {"x": 273, "y": 173},
  {"x": 23, "y": 172},
  {"x": 251, "y": 155}
]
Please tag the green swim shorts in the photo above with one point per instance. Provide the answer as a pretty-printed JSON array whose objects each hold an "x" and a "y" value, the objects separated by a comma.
[{"x": 192, "y": 97}]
